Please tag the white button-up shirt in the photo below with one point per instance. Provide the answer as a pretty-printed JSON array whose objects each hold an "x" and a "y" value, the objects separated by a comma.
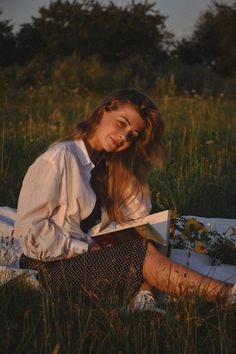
[{"x": 55, "y": 196}]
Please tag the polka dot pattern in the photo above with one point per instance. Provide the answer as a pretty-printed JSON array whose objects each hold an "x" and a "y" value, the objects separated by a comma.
[{"x": 116, "y": 268}]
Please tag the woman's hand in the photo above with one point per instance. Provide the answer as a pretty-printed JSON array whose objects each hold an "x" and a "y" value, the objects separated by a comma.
[{"x": 94, "y": 247}]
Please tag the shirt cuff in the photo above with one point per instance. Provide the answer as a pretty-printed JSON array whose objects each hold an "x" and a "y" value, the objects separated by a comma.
[{"x": 77, "y": 247}]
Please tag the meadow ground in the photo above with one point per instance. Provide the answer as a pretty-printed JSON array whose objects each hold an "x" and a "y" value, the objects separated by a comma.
[{"x": 198, "y": 179}]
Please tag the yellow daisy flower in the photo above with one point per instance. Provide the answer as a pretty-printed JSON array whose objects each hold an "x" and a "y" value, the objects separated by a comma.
[
  {"x": 200, "y": 247},
  {"x": 193, "y": 224}
]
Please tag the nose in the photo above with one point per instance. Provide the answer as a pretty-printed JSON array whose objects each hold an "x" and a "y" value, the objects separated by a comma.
[{"x": 123, "y": 137}]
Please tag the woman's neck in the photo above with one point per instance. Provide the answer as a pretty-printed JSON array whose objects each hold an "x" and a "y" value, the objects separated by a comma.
[{"x": 94, "y": 155}]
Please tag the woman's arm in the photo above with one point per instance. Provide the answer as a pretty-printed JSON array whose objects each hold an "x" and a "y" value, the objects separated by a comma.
[{"x": 40, "y": 197}]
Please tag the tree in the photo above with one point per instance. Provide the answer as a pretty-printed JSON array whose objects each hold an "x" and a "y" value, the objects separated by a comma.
[
  {"x": 87, "y": 27},
  {"x": 28, "y": 43},
  {"x": 213, "y": 40},
  {"x": 7, "y": 43}
]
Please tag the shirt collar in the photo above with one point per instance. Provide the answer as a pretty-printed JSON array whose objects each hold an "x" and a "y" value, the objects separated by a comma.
[{"x": 83, "y": 154}]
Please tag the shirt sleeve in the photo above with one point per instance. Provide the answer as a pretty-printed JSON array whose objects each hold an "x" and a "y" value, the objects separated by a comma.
[{"x": 40, "y": 237}]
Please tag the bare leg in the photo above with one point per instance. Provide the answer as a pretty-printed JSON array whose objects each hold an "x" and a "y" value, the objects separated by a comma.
[{"x": 175, "y": 279}]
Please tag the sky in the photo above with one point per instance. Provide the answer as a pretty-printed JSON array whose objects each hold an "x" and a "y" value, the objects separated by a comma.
[{"x": 182, "y": 14}]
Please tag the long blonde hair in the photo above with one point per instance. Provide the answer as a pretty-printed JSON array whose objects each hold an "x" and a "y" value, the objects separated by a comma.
[{"x": 131, "y": 166}]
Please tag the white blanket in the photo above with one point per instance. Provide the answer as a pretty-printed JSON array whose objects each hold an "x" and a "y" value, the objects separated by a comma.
[{"x": 10, "y": 252}]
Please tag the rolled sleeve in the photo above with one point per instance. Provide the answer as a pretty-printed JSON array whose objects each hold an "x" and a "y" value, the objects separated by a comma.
[{"x": 77, "y": 247}]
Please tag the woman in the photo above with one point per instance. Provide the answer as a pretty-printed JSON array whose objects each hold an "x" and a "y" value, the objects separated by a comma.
[{"x": 84, "y": 182}]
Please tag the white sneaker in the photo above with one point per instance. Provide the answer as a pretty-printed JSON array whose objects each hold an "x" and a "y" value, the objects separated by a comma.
[
  {"x": 144, "y": 301},
  {"x": 232, "y": 298}
]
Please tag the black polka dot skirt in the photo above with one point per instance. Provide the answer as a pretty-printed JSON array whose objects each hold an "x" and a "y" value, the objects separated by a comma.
[{"x": 112, "y": 269}]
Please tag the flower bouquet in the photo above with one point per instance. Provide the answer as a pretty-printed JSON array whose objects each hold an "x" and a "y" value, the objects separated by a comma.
[{"x": 189, "y": 233}]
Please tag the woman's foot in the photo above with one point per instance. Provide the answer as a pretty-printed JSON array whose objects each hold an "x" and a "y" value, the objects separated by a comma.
[{"x": 144, "y": 301}]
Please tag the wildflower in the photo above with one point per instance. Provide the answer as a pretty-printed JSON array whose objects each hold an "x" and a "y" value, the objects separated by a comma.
[
  {"x": 200, "y": 247},
  {"x": 192, "y": 225},
  {"x": 190, "y": 234}
]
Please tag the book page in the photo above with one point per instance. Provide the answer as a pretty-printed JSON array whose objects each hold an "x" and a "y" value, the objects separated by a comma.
[{"x": 160, "y": 222}]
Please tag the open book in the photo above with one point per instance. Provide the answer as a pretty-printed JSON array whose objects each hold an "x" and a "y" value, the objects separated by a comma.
[{"x": 154, "y": 227}]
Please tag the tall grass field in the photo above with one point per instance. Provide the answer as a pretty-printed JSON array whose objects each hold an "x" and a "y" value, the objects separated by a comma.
[{"x": 198, "y": 178}]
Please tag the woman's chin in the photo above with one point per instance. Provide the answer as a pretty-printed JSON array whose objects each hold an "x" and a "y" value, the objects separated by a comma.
[{"x": 110, "y": 147}]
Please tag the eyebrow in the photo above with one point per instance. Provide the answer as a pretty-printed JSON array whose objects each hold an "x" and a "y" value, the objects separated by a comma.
[{"x": 136, "y": 130}]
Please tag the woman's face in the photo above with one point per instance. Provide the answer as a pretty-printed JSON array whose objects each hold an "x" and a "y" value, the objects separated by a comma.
[{"x": 117, "y": 129}]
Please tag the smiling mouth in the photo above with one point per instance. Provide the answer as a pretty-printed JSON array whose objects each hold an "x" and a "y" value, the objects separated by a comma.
[{"x": 117, "y": 145}]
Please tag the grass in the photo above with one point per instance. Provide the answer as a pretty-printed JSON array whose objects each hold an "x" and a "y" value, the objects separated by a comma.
[
  {"x": 198, "y": 178},
  {"x": 42, "y": 324}
]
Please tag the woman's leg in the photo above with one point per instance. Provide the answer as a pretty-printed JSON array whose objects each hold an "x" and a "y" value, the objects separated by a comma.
[
  {"x": 175, "y": 279},
  {"x": 145, "y": 286}
]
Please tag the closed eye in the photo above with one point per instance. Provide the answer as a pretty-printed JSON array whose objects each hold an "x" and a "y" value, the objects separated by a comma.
[{"x": 121, "y": 123}]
